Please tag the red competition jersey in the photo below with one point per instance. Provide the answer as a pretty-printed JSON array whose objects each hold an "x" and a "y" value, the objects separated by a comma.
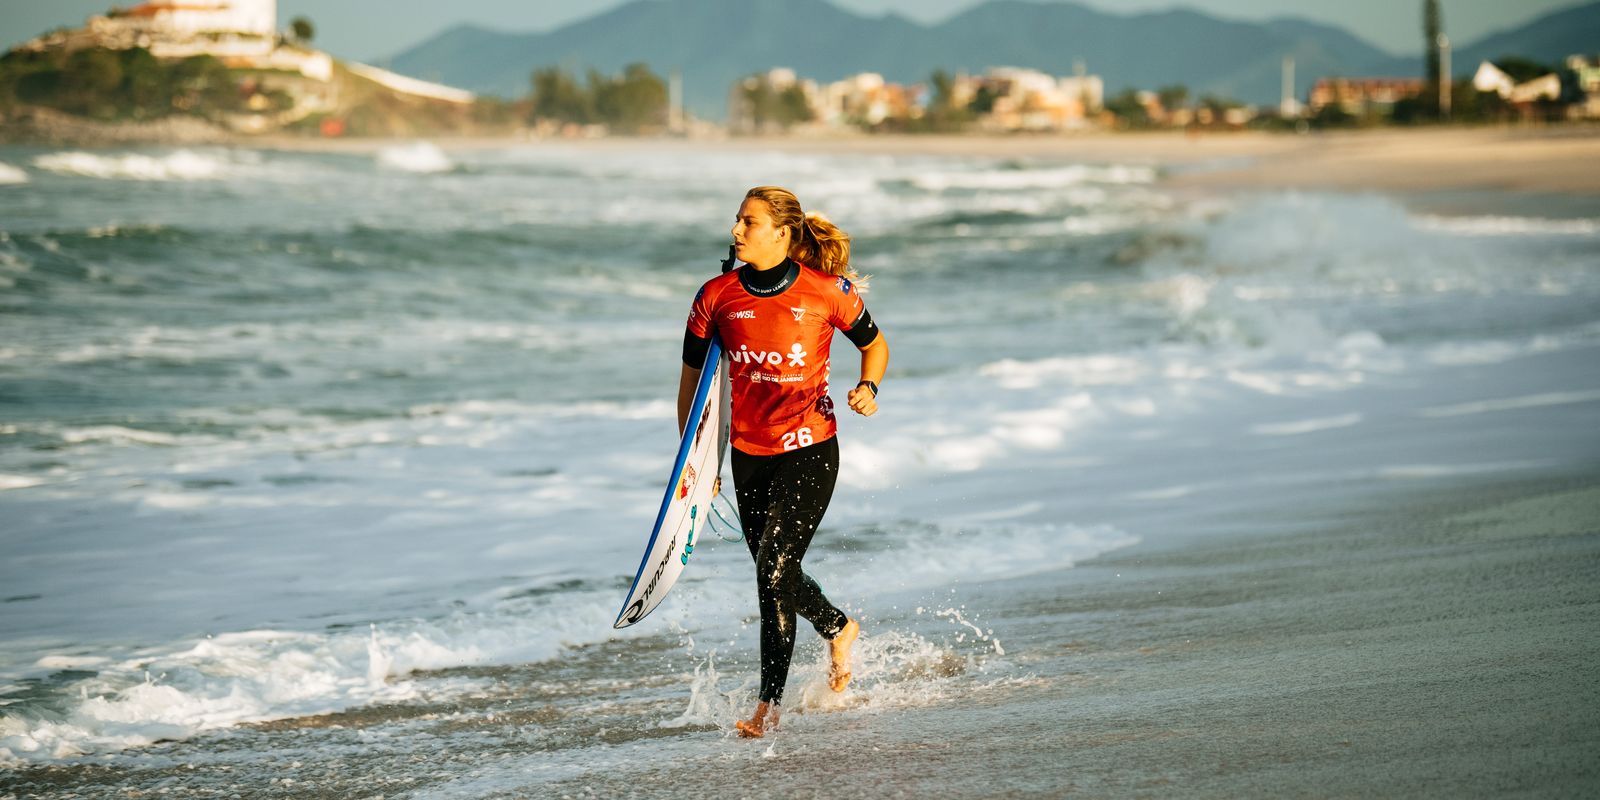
[{"x": 777, "y": 350}]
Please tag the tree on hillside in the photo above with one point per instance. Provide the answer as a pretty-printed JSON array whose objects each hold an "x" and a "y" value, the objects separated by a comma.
[
  {"x": 1522, "y": 69},
  {"x": 983, "y": 100},
  {"x": 203, "y": 83},
  {"x": 793, "y": 107},
  {"x": 1173, "y": 97},
  {"x": 943, "y": 114},
  {"x": 90, "y": 81},
  {"x": 1130, "y": 112},
  {"x": 557, "y": 96},
  {"x": 302, "y": 30},
  {"x": 631, "y": 103},
  {"x": 118, "y": 84},
  {"x": 769, "y": 106}
]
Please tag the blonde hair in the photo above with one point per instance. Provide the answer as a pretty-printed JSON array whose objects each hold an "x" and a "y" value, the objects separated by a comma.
[{"x": 813, "y": 239}]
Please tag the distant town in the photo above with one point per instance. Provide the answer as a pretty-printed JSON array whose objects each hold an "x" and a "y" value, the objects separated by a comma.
[{"x": 174, "y": 69}]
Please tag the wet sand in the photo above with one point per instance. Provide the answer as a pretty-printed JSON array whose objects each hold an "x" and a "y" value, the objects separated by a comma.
[{"x": 1438, "y": 643}]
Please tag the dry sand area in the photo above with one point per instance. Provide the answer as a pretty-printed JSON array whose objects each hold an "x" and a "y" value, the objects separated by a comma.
[{"x": 1558, "y": 159}]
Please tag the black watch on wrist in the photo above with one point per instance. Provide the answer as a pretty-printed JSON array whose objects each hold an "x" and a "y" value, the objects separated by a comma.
[{"x": 870, "y": 385}]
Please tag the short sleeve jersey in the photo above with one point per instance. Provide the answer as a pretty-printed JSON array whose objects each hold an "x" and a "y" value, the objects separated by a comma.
[{"x": 777, "y": 350}]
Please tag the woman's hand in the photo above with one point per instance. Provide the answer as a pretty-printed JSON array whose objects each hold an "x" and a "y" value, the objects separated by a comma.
[
  {"x": 863, "y": 401},
  {"x": 874, "y": 360}
]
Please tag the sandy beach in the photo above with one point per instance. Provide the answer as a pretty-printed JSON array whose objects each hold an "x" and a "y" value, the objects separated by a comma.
[
  {"x": 1514, "y": 159},
  {"x": 1564, "y": 159}
]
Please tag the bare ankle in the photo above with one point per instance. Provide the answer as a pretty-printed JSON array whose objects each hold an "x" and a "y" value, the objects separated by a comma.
[{"x": 765, "y": 719}]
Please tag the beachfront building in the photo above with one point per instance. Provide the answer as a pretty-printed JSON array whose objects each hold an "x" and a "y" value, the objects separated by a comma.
[
  {"x": 1004, "y": 99},
  {"x": 240, "y": 33},
  {"x": 777, "y": 99},
  {"x": 1587, "y": 73},
  {"x": 1363, "y": 96},
  {"x": 1030, "y": 100},
  {"x": 1490, "y": 78},
  {"x": 867, "y": 100}
]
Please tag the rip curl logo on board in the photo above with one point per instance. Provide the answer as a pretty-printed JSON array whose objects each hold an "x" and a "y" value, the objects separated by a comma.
[{"x": 635, "y": 612}]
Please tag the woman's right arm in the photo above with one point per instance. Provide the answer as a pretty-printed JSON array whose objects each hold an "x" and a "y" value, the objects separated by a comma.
[{"x": 688, "y": 381}]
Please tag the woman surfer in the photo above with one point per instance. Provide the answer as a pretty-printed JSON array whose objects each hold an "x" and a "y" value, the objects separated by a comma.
[{"x": 775, "y": 316}]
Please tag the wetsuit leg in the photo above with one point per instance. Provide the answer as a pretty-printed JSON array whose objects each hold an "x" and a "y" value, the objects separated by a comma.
[{"x": 781, "y": 501}]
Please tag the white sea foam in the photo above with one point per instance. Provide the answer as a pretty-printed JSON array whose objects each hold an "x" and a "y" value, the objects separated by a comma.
[
  {"x": 117, "y": 434},
  {"x": 182, "y": 165},
  {"x": 1304, "y": 426},
  {"x": 18, "y": 482},
  {"x": 1512, "y": 403},
  {"x": 420, "y": 157},
  {"x": 271, "y": 674},
  {"x": 1045, "y": 178},
  {"x": 11, "y": 176}
]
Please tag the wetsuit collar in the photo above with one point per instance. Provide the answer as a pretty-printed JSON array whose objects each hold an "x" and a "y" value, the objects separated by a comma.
[{"x": 769, "y": 282}]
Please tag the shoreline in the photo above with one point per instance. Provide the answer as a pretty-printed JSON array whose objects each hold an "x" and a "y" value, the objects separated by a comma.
[
  {"x": 1556, "y": 160},
  {"x": 1425, "y": 643}
]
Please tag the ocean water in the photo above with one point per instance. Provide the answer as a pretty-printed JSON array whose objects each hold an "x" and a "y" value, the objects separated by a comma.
[{"x": 380, "y": 435}]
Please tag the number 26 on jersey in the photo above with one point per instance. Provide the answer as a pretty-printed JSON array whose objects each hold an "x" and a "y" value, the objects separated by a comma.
[{"x": 796, "y": 439}]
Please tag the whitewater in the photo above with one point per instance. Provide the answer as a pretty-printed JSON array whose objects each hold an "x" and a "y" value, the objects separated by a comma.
[{"x": 380, "y": 435}]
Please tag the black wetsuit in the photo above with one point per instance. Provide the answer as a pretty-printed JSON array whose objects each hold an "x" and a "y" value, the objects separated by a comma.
[{"x": 781, "y": 500}]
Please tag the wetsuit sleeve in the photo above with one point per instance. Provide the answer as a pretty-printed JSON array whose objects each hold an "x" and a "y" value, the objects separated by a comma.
[
  {"x": 695, "y": 349},
  {"x": 697, "y": 336},
  {"x": 864, "y": 332}
]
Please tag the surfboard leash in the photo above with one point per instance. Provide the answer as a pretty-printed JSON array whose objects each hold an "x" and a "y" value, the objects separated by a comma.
[{"x": 737, "y": 524}]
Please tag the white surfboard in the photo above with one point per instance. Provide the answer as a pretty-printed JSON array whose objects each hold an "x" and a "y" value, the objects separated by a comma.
[{"x": 690, "y": 489}]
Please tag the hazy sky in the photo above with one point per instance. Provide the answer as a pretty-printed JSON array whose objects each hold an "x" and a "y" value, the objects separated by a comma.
[{"x": 373, "y": 29}]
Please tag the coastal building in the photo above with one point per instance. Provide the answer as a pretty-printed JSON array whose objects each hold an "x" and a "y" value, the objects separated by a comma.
[
  {"x": 753, "y": 102},
  {"x": 1545, "y": 87},
  {"x": 1006, "y": 99},
  {"x": 1029, "y": 100},
  {"x": 1360, "y": 96},
  {"x": 1490, "y": 78},
  {"x": 243, "y": 34},
  {"x": 867, "y": 100},
  {"x": 1587, "y": 73}
]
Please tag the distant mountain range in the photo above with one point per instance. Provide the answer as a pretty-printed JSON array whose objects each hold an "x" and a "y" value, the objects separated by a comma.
[{"x": 712, "y": 43}]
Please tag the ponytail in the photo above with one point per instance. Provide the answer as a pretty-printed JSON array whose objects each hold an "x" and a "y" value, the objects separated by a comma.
[{"x": 814, "y": 240}]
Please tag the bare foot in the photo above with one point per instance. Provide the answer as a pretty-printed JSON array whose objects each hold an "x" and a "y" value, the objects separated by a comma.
[
  {"x": 765, "y": 719},
  {"x": 839, "y": 645}
]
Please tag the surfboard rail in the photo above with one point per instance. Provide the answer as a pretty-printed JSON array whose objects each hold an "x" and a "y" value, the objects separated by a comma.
[{"x": 690, "y": 489}]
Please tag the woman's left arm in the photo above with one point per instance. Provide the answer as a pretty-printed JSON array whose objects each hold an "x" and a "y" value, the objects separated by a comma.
[{"x": 874, "y": 360}]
